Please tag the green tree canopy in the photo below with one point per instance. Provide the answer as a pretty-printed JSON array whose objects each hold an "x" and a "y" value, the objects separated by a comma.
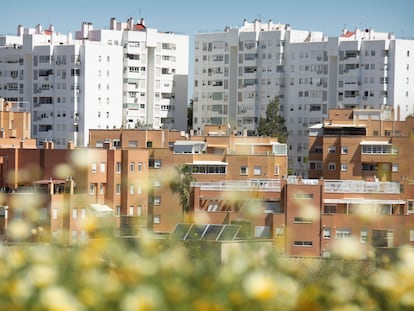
[
  {"x": 273, "y": 124},
  {"x": 181, "y": 184}
]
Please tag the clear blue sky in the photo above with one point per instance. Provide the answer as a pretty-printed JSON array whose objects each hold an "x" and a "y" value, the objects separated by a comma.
[{"x": 190, "y": 17}]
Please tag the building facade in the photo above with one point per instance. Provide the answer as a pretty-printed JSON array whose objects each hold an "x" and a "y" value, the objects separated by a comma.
[
  {"x": 238, "y": 71},
  {"x": 129, "y": 171},
  {"x": 127, "y": 75},
  {"x": 309, "y": 217},
  {"x": 364, "y": 144}
]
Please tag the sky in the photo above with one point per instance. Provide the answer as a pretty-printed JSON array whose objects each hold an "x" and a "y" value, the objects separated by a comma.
[{"x": 191, "y": 17}]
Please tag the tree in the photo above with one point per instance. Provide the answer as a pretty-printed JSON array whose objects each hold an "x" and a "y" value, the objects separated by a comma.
[
  {"x": 181, "y": 184},
  {"x": 273, "y": 124}
]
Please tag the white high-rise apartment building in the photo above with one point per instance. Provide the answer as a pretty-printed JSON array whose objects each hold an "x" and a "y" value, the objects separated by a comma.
[
  {"x": 124, "y": 76},
  {"x": 238, "y": 71}
]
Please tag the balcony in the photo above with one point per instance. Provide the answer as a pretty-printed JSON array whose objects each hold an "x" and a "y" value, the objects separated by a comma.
[
  {"x": 359, "y": 186},
  {"x": 261, "y": 185}
]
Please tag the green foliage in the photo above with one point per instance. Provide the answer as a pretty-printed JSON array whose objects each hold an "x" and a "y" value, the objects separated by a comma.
[
  {"x": 273, "y": 124},
  {"x": 181, "y": 184}
]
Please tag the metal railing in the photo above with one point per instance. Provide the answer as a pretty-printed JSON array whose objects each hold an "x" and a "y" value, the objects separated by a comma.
[{"x": 360, "y": 186}]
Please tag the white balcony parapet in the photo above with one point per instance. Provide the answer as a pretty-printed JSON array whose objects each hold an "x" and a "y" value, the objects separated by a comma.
[
  {"x": 360, "y": 186},
  {"x": 241, "y": 185}
]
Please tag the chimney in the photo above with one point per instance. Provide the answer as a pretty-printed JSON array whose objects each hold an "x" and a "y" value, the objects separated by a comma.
[
  {"x": 70, "y": 145},
  {"x": 112, "y": 23},
  {"x": 130, "y": 23},
  {"x": 20, "y": 30},
  {"x": 39, "y": 29}
]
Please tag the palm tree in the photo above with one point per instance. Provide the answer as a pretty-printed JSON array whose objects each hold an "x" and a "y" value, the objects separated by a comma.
[{"x": 181, "y": 184}]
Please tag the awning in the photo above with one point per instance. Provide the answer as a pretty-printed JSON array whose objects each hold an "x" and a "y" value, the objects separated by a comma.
[
  {"x": 374, "y": 142},
  {"x": 188, "y": 143},
  {"x": 101, "y": 209},
  {"x": 362, "y": 201}
]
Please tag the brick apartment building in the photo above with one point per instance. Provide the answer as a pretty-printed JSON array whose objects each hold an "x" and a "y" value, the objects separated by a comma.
[
  {"x": 123, "y": 177},
  {"x": 129, "y": 171},
  {"x": 362, "y": 144}
]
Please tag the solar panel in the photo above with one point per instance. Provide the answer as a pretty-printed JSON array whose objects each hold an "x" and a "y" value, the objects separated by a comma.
[
  {"x": 229, "y": 232},
  {"x": 195, "y": 232},
  {"x": 212, "y": 232},
  {"x": 207, "y": 232},
  {"x": 180, "y": 231}
]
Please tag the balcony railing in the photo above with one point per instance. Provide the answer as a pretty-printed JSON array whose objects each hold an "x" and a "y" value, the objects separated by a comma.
[
  {"x": 241, "y": 185},
  {"x": 359, "y": 186}
]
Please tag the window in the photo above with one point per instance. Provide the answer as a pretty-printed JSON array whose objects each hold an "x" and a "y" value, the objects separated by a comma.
[
  {"x": 157, "y": 219},
  {"x": 276, "y": 170},
  {"x": 131, "y": 167},
  {"x": 118, "y": 189},
  {"x": 83, "y": 212},
  {"x": 329, "y": 209},
  {"x": 364, "y": 236},
  {"x": 139, "y": 167},
  {"x": 344, "y": 150},
  {"x": 280, "y": 231},
  {"x": 54, "y": 213},
  {"x": 395, "y": 167},
  {"x": 157, "y": 183},
  {"x": 344, "y": 167},
  {"x": 303, "y": 196},
  {"x": 343, "y": 233},
  {"x": 315, "y": 165},
  {"x": 303, "y": 243},
  {"x": 326, "y": 233},
  {"x": 244, "y": 170},
  {"x": 74, "y": 213},
  {"x": 92, "y": 189},
  {"x": 208, "y": 169},
  {"x": 131, "y": 210},
  {"x": 118, "y": 211},
  {"x": 410, "y": 209},
  {"x": 74, "y": 235},
  {"x": 257, "y": 170},
  {"x": 139, "y": 210},
  {"x": 93, "y": 167},
  {"x": 411, "y": 239},
  {"x": 102, "y": 167},
  {"x": 331, "y": 149},
  {"x": 331, "y": 166},
  {"x": 302, "y": 220},
  {"x": 101, "y": 188},
  {"x": 132, "y": 143},
  {"x": 139, "y": 189},
  {"x": 212, "y": 207},
  {"x": 157, "y": 200},
  {"x": 131, "y": 189},
  {"x": 157, "y": 163},
  {"x": 118, "y": 167}
]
